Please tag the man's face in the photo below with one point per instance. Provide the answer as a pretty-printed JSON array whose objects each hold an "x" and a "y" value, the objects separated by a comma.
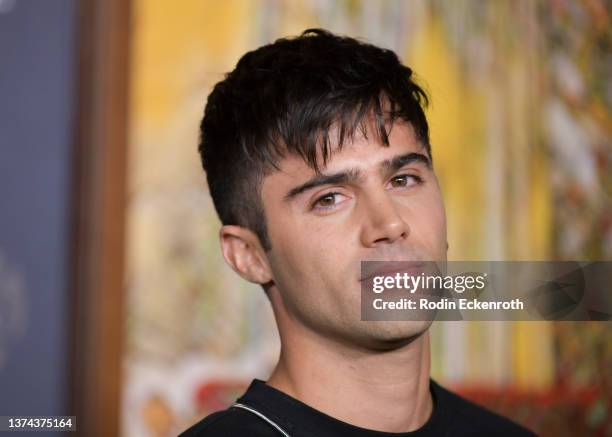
[{"x": 370, "y": 202}]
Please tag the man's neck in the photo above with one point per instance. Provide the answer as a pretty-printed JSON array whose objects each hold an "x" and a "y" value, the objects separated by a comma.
[{"x": 383, "y": 391}]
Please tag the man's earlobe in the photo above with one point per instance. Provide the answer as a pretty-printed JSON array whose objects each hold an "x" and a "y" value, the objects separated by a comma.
[{"x": 243, "y": 252}]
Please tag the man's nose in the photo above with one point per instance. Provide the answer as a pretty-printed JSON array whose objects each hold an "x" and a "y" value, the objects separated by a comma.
[{"x": 383, "y": 223}]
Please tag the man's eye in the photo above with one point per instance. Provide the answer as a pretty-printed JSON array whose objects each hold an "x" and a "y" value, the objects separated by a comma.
[
  {"x": 327, "y": 201},
  {"x": 405, "y": 180}
]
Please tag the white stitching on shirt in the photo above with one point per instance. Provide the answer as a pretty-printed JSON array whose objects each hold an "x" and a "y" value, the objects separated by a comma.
[{"x": 263, "y": 417}]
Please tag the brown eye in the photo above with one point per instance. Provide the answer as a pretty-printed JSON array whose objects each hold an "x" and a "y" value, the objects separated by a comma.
[
  {"x": 327, "y": 200},
  {"x": 405, "y": 180},
  {"x": 399, "y": 181}
]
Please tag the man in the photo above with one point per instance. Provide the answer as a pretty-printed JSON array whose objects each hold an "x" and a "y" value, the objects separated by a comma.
[{"x": 317, "y": 155}]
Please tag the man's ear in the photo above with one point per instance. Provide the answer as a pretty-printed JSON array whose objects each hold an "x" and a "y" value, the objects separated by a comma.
[{"x": 243, "y": 252}]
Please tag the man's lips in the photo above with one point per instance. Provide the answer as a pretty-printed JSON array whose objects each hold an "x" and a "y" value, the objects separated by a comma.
[{"x": 391, "y": 268}]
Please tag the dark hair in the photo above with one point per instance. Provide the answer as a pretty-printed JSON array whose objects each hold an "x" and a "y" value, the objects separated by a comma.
[{"x": 283, "y": 98}]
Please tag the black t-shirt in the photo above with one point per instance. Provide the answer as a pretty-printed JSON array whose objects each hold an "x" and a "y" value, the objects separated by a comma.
[{"x": 451, "y": 416}]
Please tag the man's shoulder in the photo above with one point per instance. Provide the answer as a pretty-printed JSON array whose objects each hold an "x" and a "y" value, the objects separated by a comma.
[
  {"x": 478, "y": 419},
  {"x": 230, "y": 423}
]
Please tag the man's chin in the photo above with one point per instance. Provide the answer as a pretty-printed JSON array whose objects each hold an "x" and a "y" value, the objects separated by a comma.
[{"x": 389, "y": 335}]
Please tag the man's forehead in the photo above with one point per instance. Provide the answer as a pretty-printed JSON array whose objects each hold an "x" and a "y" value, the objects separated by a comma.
[{"x": 363, "y": 149}]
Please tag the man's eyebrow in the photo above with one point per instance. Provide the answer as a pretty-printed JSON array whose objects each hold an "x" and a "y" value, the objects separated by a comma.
[
  {"x": 354, "y": 175},
  {"x": 394, "y": 164},
  {"x": 343, "y": 177}
]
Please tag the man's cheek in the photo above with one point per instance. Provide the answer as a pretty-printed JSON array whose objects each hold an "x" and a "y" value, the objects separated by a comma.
[
  {"x": 430, "y": 228},
  {"x": 439, "y": 234},
  {"x": 433, "y": 208}
]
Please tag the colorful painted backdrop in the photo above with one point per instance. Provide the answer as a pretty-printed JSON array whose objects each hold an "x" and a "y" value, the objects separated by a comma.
[{"x": 521, "y": 126}]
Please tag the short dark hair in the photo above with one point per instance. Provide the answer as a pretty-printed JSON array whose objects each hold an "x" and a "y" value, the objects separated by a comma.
[{"x": 283, "y": 98}]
